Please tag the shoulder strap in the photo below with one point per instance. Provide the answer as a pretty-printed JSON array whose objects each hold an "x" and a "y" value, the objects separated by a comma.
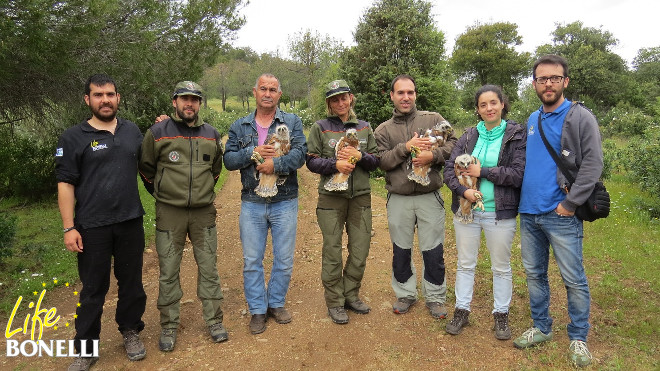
[{"x": 554, "y": 154}]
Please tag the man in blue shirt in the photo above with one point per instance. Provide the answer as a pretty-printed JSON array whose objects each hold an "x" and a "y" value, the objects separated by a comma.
[{"x": 547, "y": 209}]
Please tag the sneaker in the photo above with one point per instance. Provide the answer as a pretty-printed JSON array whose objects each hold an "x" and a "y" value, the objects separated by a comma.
[
  {"x": 531, "y": 337},
  {"x": 460, "y": 320},
  {"x": 338, "y": 315},
  {"x": 257, "y": 324},
  {"x": 218, "y": 332},
  {"x": 281, "y": 315},
  {"x": 82, "y": 363},
  {"x": 357, "y": 306},
  {"x": 167, "y": 339},
  {"x": 501, "y": 327},
  {"x": 437, "y": 310},
  {"x": 134, "y": 346},
  {"x": 579, "y": 353},
  {"x": 402, "y": 305}
]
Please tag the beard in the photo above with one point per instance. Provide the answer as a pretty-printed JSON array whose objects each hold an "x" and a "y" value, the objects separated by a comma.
[
  {"x": 185, "y": 117},
  {"x": 550, "y": 100},
  {"x": 104, "y": 116}
]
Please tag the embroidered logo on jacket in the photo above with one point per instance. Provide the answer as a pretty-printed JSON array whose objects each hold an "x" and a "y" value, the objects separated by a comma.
[
  {"x": 59, "y": 152},
  {"x": 96, "y": 146},
  {"x": 174, "y": 156},
  {"x": 332, "y": 143}
]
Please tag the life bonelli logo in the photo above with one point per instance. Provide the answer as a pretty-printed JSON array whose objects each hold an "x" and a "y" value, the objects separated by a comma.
[{"x": 36, "y": 319}]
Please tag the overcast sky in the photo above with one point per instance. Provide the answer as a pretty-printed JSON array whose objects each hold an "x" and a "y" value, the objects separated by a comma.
[{"x": 269, "y": 23}]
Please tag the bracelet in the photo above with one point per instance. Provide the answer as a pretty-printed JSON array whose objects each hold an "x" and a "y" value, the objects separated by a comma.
[{"x": 68, "y": 229}]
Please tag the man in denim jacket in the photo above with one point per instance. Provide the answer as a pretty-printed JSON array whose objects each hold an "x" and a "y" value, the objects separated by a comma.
[{"x": 247, "y": 136}]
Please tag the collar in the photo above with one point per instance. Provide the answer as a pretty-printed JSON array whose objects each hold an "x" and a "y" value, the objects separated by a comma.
[
  {"x": 562, "y": 109},
  {"x": 398, "y": 116},
  {"x": 90, "y": 129}
]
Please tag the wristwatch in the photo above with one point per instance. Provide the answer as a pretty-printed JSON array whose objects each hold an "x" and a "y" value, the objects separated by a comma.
[{"x": 68, "y": 229}]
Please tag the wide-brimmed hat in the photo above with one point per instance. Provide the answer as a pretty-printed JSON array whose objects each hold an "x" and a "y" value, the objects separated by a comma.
[{"x": 336, "y": 87}]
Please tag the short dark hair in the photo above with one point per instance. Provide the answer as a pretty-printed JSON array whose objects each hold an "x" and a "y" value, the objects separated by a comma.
[
  {"x": 99, "y": 79},
  {"x": 497, "y": 90},
  {"x": 551, "y": 59},
  {"x": 403, "y": 77}
]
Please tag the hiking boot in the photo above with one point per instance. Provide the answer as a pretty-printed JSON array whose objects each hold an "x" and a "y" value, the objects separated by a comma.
[
  {"x": 460, "y": 320},
  {"x": 218, "y": 332},
  {"x": 258, "y": 324},
  {"x": 338, "y": 315},
  {"x": 281, "y": 315},
  {"x": 134, "y": 347},
  {"x": 501, "y": 327},
  {"x": 402, "y": 305},
  {"x": 167, "y": 339},
  {"x": 579, "y": 354},
  {"x": 82, "y": 363},
  {"x": 357, "y": 306},
  {"x": 531, "y": 337},
  {"x": 437, "y": 310}
]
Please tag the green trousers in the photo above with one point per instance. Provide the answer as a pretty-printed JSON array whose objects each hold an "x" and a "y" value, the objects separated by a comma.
[
  {"x": 173, "y": 224},
  {"x": 342, "y": 284}
]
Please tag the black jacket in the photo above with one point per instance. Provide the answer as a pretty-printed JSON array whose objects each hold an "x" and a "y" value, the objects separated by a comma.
[{"x": 506, "y": 176}]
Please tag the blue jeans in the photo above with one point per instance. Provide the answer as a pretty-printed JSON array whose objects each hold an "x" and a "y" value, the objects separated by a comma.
[
  {"x": 255, "y": 220},
  {"x": 499, "y": 236},
  {"x": 565, "y": 234}
]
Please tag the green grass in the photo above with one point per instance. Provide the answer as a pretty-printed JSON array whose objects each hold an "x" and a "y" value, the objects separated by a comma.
[
  {"x": 621, "y": 258},
  {"x": 39, "y": 256}
]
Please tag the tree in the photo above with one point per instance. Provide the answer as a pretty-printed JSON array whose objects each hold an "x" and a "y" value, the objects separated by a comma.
[
  {"x": 485, "y": 54},
  {"x": 50, "y": 47},
  {"x": 647, "y": 76},
  {"x": 230, "y": 76},
  {"x": 395, "y": 37},
  {"x": 314, "y": 53},
  {"x": 597, "y": 74}
]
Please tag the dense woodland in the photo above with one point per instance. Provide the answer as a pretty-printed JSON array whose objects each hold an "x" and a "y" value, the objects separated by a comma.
[{"x": 48, "y": 49}]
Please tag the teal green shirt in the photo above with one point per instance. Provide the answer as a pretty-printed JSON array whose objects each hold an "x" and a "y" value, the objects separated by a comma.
[{"x": 487, "y": 150}]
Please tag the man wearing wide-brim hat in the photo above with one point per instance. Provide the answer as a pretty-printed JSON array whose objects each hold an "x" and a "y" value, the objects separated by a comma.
[{"x": 180, "y": 164}]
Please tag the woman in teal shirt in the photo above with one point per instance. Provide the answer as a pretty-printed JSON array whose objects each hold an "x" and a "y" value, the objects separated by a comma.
[{"x": 500, "y": 147}]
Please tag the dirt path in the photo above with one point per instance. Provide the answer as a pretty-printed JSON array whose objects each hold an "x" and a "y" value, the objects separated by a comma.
[{"x": 379, "y": 340}]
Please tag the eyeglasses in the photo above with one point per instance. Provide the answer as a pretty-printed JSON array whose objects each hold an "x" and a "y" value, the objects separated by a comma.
[{"x": 553, "y": 79}]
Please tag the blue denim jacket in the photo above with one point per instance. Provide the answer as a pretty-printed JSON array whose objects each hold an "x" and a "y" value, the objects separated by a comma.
[{"x": 243, "y": 139}]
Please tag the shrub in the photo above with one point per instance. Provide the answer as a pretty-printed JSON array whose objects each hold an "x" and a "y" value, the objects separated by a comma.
[
  {"x": 28, "y": 170},
  {"x": 7, "y": 233},
  {"x": 643, "y": 164},
  {"x": 625, "y": 120},
  {"x": 612, "y": 156},
  {"x": 219, "y": 120}
]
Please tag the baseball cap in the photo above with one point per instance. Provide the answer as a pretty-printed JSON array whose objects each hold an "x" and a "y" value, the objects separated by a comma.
[
  {"x": 336, "y": 87},
  {"x": 187, "y": 88}
]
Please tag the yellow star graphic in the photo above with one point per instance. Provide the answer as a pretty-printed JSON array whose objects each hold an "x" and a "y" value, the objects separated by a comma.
[
  {"x": 43, "y": 284},
  {"x": 75, "y": 293},
  {"x": 34, "y": 293},
  {"x": 55, "y": 282},
  {"x": 55, "y": 328},
  {"x": 78, "y": 304},
  {"x": 75, "y": 316},
  {"x": 66, "y": 284},
  {"x": 67, "y": 324}
]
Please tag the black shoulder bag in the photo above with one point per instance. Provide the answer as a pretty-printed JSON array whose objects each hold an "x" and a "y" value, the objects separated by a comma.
[{"x": 598, "y": 204}]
